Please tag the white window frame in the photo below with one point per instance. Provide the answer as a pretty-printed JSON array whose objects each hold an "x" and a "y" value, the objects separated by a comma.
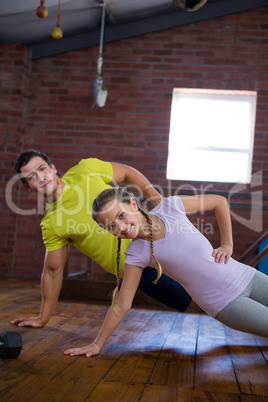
[{"x": 182, "y": 149}]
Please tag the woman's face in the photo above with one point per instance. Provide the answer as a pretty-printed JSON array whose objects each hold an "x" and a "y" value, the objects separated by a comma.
[{"x": 121, "y": 219}]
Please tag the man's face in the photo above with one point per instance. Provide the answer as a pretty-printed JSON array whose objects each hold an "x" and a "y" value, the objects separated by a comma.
[{"x": 40, "y": 177}]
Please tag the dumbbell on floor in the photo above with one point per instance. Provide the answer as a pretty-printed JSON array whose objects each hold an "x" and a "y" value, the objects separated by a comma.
[{"x": 10, "y": 344}]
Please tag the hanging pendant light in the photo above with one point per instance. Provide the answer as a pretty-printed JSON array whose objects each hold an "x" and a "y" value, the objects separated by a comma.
[
  {"x": 100, "y": 92},
  {"x": 42, "y": 11},
  {"x": 57, "y": 32}
]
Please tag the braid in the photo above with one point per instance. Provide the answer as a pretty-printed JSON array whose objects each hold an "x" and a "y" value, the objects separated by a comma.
[
  {"x": 115, "y": 293},
  {"x": 121, "y": 195},
  {"x": 158, "y": 265}
]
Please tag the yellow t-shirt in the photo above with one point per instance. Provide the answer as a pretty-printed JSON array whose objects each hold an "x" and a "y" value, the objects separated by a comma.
[{"x": 69, "y": 220}]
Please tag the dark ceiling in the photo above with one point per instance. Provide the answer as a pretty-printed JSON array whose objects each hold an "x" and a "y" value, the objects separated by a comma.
[{"x": 81, "y": 20}]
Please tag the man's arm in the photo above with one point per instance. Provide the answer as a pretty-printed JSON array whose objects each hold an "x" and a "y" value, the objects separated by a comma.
[
  {"x": 132, "y": 177},
  {"x": 220, "y": 207},
  {"x": 51, "y": 283}
]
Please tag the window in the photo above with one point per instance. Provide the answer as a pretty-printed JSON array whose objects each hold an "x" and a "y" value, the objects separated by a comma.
[{"x": 211, "y": 135}]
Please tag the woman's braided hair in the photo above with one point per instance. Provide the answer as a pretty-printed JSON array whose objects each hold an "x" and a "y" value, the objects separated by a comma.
[{"x": 121, "y": 195}]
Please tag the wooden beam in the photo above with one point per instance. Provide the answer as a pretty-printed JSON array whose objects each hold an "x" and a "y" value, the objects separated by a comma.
[
  {"x": 259, "y": 257},
  {"x": 253, "y": 248}
]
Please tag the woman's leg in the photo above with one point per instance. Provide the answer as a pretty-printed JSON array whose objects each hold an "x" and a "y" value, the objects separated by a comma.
[
  {"x": 259, "y": 288},
  {"x": 249, "y": 311}
]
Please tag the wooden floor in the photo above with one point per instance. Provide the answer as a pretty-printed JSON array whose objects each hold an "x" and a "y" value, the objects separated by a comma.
[{"x": 154, "y": 356}]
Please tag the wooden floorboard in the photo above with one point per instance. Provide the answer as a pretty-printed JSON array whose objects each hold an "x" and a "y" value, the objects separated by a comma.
[{"x": 155, "y": 355}]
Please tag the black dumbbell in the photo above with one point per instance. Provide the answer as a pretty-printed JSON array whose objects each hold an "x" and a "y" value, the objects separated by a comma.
[{"x": 10, "y": 344}]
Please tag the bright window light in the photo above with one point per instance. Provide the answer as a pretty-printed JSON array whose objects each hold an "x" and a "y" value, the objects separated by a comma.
[{"x": 211, "y": 135}]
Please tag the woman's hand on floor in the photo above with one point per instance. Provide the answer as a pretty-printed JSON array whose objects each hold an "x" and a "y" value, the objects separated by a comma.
[{"x": 90, "y": 350}]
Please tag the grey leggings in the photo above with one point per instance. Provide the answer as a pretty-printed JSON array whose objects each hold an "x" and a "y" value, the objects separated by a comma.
[{"x": 249, "y": 311}]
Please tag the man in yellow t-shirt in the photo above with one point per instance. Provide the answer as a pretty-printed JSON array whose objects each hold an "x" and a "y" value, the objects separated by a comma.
[{"x": 68, "y": 220}]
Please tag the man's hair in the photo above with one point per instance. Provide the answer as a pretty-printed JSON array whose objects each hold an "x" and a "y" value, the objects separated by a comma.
[{"x": 25, "y": 158}]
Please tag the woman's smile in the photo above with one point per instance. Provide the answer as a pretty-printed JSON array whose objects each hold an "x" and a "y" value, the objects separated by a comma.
[{"x": 126, "y": 232}]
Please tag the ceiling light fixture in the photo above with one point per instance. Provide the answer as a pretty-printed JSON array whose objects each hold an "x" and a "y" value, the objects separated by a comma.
[
  {"x": 100, "y": 92},
  {"x": 42, "y": 11},
  {"x": 190, "y": 5},
  {"x": 57, "y": 32}
]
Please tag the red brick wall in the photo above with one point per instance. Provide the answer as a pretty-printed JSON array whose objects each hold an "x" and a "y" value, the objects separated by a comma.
[
  {"x": 15, "y": 69},
  {"x": 47, "y": 104}
]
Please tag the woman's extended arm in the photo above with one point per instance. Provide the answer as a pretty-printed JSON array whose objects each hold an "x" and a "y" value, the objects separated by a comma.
[
  {"x": 115, "y": 315},
  {"x": 220, "y": 206}
]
